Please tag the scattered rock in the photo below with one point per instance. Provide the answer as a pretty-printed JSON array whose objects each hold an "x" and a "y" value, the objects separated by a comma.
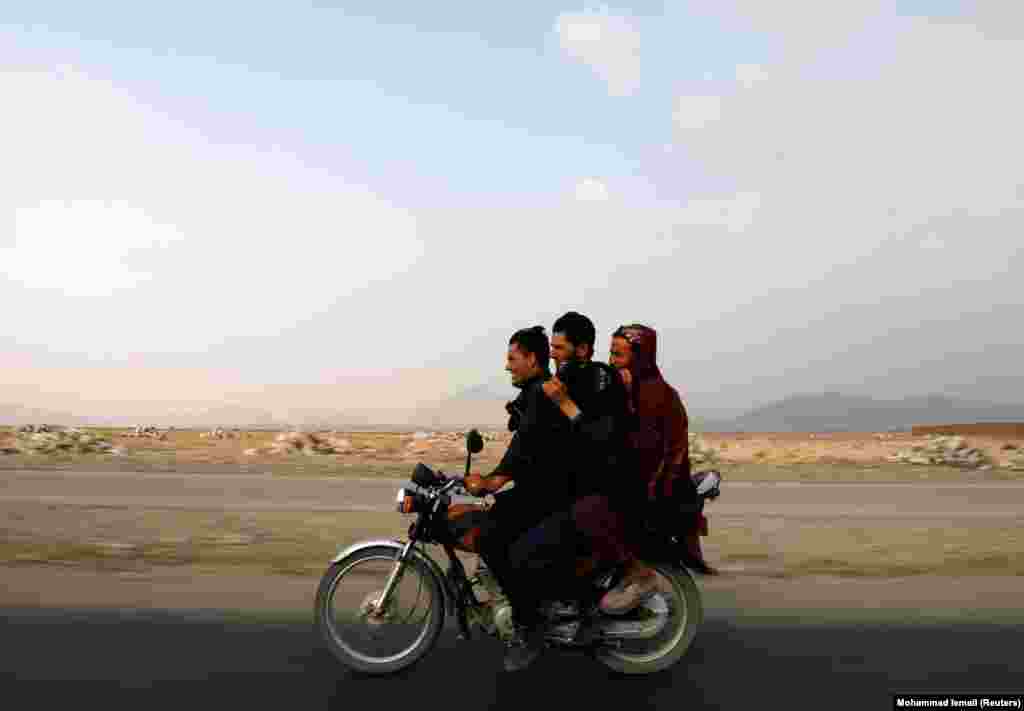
[
  {"x": 39, "y": 428},
  {"x": 701, "y": 453},
  {"x": 1016, "y": 460},
  {"x": 340, "y": 444},
  {"x": 951, "y": 450},
  {"x": 56, "y": 441},
  {"x": 221, "y": 433},
  {"x": 287, "y": 443},
  {"x": 151, "y": 431}
]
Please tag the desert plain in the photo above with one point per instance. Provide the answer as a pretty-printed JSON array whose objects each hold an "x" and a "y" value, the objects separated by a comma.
[{"x": 806, "y": 521}]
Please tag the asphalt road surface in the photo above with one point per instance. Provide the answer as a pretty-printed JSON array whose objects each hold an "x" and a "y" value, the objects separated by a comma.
[
  {"x": 259, "y": 492},
  {"x": 56, "y": 659}
]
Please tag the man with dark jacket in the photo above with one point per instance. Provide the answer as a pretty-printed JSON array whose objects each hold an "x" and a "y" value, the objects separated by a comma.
[
  {"x": 592, "y": 401},
  {"x": 592, "y": 397},
  {"x": 536, "y": 462},
  {"x": 607, "y": 490}
]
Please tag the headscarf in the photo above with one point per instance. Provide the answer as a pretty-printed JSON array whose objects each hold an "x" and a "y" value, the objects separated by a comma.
[
  {"x": 643, "y": 341},
  {"x": 659, "y": 434}
]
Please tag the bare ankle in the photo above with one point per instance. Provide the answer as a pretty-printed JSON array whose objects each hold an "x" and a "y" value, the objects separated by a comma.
[{"x": 637, "y": 570}]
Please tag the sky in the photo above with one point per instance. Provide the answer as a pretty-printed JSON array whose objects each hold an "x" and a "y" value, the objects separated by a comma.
[{"x": 207, "y": 203}]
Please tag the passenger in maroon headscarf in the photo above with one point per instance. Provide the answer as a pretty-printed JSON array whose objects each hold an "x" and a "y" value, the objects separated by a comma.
[{"x": 659, "y": 432}]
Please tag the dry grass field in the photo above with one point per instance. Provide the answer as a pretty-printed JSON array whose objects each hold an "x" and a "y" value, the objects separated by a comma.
[{"x": 299, "y": 543}]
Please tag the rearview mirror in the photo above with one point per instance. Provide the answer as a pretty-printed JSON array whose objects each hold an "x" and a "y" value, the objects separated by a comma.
[{"x": 474, "y": 442}]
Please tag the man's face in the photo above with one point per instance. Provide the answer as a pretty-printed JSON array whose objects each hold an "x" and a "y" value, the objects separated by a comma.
[
  {"x": 519, "y": 364},
  {"x": 621, "y": 353},
  {"x": 563, "y": 351}
]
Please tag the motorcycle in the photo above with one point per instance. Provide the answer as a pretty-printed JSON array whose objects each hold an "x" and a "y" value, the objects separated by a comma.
[{"x": 650, "y": 638}]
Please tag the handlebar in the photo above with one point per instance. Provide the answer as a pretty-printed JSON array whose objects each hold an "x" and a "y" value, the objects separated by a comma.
[
  {"x": 456, "y": 483},
  {"x": 437, "y": 481}
]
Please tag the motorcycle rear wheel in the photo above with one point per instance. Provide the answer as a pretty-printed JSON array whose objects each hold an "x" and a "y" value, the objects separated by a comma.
[
  {"x": 370, "y": 662},
  {"x": 687, "y": 610}
]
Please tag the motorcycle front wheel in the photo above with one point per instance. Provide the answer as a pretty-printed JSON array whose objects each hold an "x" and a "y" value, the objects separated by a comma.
[{"x": 366, "y": 638}]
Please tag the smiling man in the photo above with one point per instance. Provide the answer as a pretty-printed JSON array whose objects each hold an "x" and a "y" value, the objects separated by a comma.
[
  {"x": 535, "y": 461},
  {"x": 607, "y": 489}
]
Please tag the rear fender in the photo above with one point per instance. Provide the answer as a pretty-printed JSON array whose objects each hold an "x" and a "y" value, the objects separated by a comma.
[{"x": 450, "y": 594}]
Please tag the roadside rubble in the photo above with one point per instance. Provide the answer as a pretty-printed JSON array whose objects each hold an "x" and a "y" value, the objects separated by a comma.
[
  {"x": 1015, "y": 458},
  {"x": 331, "y": 443},
  {"x": 701, "y": 453},
  {"x": 54, "y": 440},
  {"x": 950, "y": 450},
  {"x": 221, "y": 433},
  {"x": 150, "y": 431},
  {"x": 309, "y": 443}
]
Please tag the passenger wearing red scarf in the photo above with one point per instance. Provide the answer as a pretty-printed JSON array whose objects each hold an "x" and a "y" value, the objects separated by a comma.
[{"x": 659, "y": 433}]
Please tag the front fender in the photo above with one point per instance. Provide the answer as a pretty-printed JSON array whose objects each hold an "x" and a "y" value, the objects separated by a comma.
[
  {"x": 363, "y": 545},
  {"x": 450, "y": 595}
]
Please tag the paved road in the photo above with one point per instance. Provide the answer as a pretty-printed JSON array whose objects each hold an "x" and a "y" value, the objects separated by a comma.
[
  {"x": 265, "y": 492},
  {"x": 121, "y": 661}
]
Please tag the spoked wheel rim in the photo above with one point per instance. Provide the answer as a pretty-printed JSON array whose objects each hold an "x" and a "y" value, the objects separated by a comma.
[{"x": 353, "y": 625}]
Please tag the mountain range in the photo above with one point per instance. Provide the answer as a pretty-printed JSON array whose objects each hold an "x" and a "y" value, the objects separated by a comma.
[
  {"x": 483, "y": 405},
  {"x": 836, "y": 412}
]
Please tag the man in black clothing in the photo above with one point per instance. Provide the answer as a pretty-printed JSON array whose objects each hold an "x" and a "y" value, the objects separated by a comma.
[
  {"x": 591, "y": 402},
  {"x": 536, "y": 461},
  {"x": 593, "y": 398},
  {"x": 609, "y": 494}
]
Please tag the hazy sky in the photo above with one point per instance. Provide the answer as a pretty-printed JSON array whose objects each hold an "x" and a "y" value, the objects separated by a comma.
[{"x": 207, "y": 197}]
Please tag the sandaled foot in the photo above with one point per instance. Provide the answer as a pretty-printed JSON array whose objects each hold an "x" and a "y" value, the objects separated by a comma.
[{"x": 632, "y": 591}]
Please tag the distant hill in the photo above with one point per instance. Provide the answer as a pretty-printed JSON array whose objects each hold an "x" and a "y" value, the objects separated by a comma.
[
  {"x": 454, "y": 413},
  {"x": 835, "y": 412},
  {"x": 494, "y": 389},
  {"x": 481, "y": 405}
]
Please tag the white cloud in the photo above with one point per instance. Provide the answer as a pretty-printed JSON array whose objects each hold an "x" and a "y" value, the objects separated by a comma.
[
  {"x": 735, "y": 213},
  {"x": 608, "y": 43},
  {"x": 848, "y": 157},
  {"x": 591, "y": 190},
  {"x": 109, "y": 195},
  {"x": 696, "y": 112},
  {"x": 801, "y": 28},
  {"x": 748, "y": 75},
  {"x": 81, "y": 247}
]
